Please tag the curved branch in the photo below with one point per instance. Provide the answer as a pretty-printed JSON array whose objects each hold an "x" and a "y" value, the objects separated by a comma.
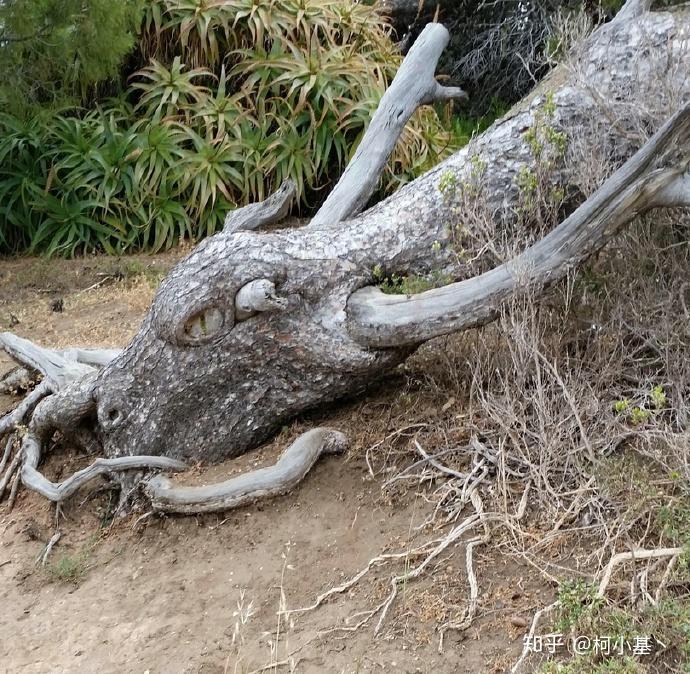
[
  {"x": 95, "y": 357},
  {"x": 631, "y": 556},
  {"x": 63, "y": 411},
  {"x": 267, "y": 212},
  {"x": 59, "y": 491},
  {"x": 12, "y": 419},
  {"x": 286, "y": 473},
  {"x": 414, "y": 85},
  {"x": 56, "y": 368},
  {"x": 59, "y": 367},
  {"x": 379, "y": 320}
]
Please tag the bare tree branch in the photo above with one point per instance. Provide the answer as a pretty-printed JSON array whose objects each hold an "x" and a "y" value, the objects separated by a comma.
[
  {"x": 380, "y": 320},
  {"x": 414, "y": 85}
]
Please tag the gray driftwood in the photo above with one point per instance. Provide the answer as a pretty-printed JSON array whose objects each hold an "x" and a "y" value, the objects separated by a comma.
[
  {"x": 286, "y": 473},
  {"x": 254, "y": 327},
  {"x": 414, "y": 85}
]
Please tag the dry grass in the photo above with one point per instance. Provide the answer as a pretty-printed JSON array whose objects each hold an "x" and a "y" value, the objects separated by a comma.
[
  {"x": 559, "y": 434},
  {"x": 101, "y": 300},
  {"x": 568, "y": 418}
]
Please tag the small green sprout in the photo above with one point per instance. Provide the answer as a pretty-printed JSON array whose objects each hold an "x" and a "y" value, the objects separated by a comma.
[
  {"x": 638, "y": 416},
  {"x": 550, "y": 105},
  {"x": 478, "y": 165},
  {"x": 621, "y": 406},
  {"x": 527, "y": 181},
  {"x": 557, "y": 139},
  {"x": 447, "y": 185},
  {"x": 658, "y": 398},
  {"x": 557, "y": 195},
  {"x": 532, "y": 138}
]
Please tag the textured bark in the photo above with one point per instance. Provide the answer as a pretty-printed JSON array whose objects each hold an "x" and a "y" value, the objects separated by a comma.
[
  {"x": 380, "y": 320},
  {"x": 227, "y": 393},
  {"x": 254, "y": 327}
]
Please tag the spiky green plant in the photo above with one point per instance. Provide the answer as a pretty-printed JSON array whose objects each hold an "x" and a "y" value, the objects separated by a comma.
[
  {"x": 233, "y": 97},
  {"x": 165, "y": 92}
]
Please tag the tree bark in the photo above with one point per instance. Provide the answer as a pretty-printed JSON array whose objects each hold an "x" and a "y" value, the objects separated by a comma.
[
  {"x": 255, "y": 327},
  {"x": 210, "y": 398},
  {"x": 379, "y": 320}
]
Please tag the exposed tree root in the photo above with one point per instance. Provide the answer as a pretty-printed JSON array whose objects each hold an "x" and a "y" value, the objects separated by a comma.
[
  {"x": 60, "y": 491},
  {"x": 69, "y": 376},
  {"x": 6, "y": 454},
  {"x": 665, "y": 578},
  {"x": 430, "y": 550},
  {"x": 43, "y": 557},
  {"x": 63, "y": 411},
  {"x": 452, "y": 537},
  {"x": 529, "y": 637},
  {"x": 288, "y": 471},
  {"x": 339, "y": 589},
  {"x": 10, "y": 421},
  {"x": 18, "y": 378},
  {"x": 13, "y": 492},
  {"x": 473, "y": 602},
  {"x": 57, "y": 368},
  {"x": 467, "y": 491},
  {"x": 630, "y": 556},
  {"x": 9, "y": 473}
]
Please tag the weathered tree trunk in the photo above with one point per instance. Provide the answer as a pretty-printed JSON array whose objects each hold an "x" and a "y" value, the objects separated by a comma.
[{"x": 254, "y": 327}]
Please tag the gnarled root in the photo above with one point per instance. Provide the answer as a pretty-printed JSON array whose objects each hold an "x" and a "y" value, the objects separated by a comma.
[
  {"x": 11, "y": 470},
  {"x": 64, "y": 399},
  {"x": 10, "y": 421},
  {"x": 288, "y": 471},
  {"x": 9, "y": 425},
  {"x": 59, "y": 367},
  {"x": 63, "y": 411},
  {"x": 59, "y": 491},
  {"x": 61, "y": 402}
]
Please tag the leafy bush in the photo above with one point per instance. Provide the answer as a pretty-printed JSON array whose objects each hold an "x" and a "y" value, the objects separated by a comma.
[{"x": 233, "y": 97}]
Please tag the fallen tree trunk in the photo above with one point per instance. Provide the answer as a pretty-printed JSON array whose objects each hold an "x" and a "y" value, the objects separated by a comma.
[{"x": 254, "y": 327}]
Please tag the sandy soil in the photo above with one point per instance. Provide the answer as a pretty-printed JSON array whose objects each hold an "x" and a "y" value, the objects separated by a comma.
[{"x": 204, "y": 594}]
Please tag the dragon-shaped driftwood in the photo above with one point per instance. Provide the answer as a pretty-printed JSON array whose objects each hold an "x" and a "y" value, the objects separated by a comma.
[{"x": 254, "y": 326}]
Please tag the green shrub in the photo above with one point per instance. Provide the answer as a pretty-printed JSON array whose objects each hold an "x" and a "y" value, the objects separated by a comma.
[
  {"x": 54, "y": 52},
  {"x": 234, "y": 96}
]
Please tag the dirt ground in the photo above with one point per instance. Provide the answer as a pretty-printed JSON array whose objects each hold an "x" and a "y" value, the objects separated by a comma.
[{"x": 205, "y": 594}]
